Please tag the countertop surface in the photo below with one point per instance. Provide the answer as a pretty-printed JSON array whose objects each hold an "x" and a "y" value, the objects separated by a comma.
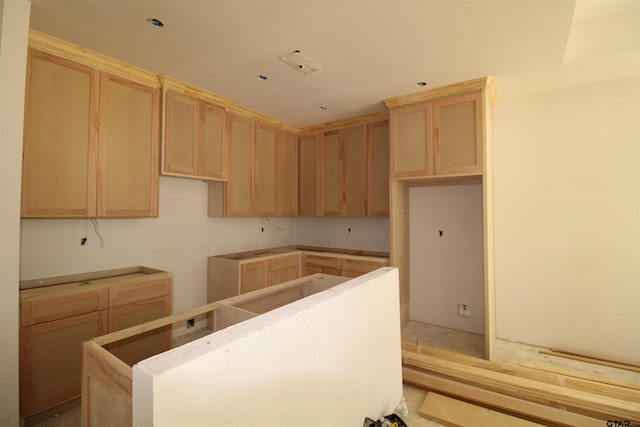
[{"x": 284, "y": 249}]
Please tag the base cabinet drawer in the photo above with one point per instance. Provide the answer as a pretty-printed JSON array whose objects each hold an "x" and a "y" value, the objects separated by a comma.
[
  {"x": 62, "y": 306},
  {"x": 329, "y": 262},
  {"x": 359, "y": 267}
]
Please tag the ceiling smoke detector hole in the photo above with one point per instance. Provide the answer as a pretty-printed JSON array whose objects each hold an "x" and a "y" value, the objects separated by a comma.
[{"x": 301, "y": 62}]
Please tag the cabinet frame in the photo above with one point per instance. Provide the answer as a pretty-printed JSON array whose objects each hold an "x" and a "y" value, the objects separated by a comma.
[{"x": 401, "y": 183}]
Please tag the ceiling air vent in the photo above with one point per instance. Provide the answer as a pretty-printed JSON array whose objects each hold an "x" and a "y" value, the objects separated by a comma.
[{"x": 301, "y": 62}]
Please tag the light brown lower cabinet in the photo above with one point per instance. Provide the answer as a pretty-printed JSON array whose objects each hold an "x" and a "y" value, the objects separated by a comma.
[
  {"x": 51, "y": 355},
  {"x": 234, "y": 274},
  {"x": 229, "y": 275},
  {"x": 65, "y": 311},
  {"x": 341, "y": 265}
]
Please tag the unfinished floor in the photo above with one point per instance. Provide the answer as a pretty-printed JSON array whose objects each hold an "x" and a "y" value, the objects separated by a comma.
[
  {"x": 428, "y": 335},
  {"x": 445, "y": 338}
]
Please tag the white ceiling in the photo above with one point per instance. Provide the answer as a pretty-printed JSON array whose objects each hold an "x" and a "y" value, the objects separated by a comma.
[{"x": 369, "y": 49}]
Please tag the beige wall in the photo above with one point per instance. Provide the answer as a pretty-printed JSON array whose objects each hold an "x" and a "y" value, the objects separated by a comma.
[
  {"x": 14, "y": 24},
  {"x": 567, "y": 219},
  {"x": 179, "y": 240},
  {"x": 348, "y": 233},
  {"x": 446, "y": 270}
]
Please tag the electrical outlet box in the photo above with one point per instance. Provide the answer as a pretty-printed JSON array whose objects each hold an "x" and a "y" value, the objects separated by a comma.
[
  {"x": 464, "y": 310},
  {"x": 191, "y": 323}
]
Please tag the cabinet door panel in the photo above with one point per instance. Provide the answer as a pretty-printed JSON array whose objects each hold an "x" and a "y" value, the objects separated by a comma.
[
  {"x": 181, "y": 134},
  {"x": 458, "y": 147},
  {"x": 355, "y": 171},
  {"x": 141, "y": 346},
  {"x": 51, "y": 361},
  {"x": 59, "y": 157},
  {"x": 378, "y": 188},
  {"x": 331, "y": 174},
  {"x": 253, "y": 276},
  {"x": 213, "y": 152},
  {"x": 287, "y": 172},
  {"x": 239, "y": 187},
  {"x": 265, "y": 172},
  {"x": 411, "y": 150},
  {"x": 308, "y": 178},
  {"x": 128, "y": 149}
]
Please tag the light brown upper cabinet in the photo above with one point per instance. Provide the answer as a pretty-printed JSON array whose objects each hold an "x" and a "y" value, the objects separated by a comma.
[
  {"x": 354, "y": 160},
  {"x": 331, "y": 174},
  {"x": 265, "y": 185},
  {"x": 308, "y": 176},
  {"x": 91, "y": 142},
  {"x": 194, "y": 143},
  {"x": 128, "y": 148},
  {"x": 378, "y": 169},
  {"x": 275, "y": 172},
  {"x": 287, "y": 174},
  {"x": 239, "y": 186},
  {"x": 345, "y": 171},
  {"x": 263, "y": 172},
  {"x": 458, "y": 135},
  {"x": 439, "y": 137}
]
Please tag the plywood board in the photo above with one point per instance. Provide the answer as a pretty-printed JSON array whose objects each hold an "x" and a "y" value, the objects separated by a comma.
[
  {"x": 512, "y": 405},
  {"x": 453, "y": 412}
]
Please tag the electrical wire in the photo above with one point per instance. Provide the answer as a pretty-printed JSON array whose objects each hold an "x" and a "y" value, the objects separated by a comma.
[
  {"x": 94, "y": 221},
  {"x": 272, "y": 224}
]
